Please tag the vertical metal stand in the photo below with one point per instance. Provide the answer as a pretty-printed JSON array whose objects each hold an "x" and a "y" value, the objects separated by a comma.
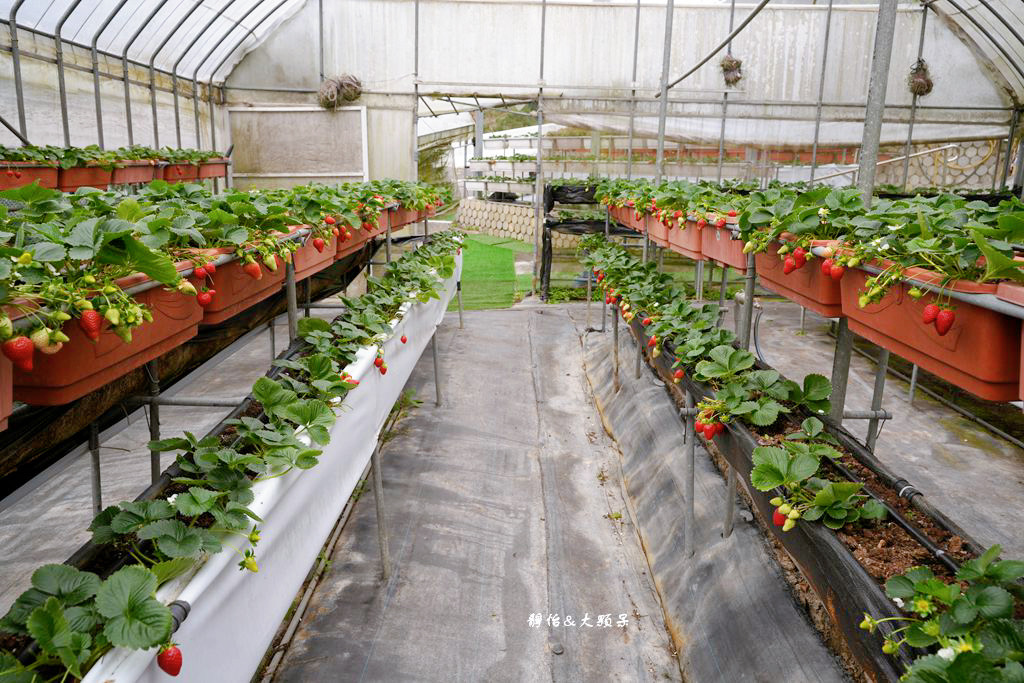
[
  {"x": 615, "y": 349},
  {"x": 293, "y": 308},
  {"x": 94, "y": 453},
  {"x": 698, "y": 281},
  {"x": 458, "y": 297},
  {"x": 748, "y": 303},
  {"x": 841, "y": 369},
  {"x": 689, "y": 514},
  {"x": 590, "y": 288},
  {"x": 153, "y": 374},
  {"x": 876, "y": 397},
  {"x": 437, "y": 368},
  {"x": 723, "y": 288},
  {"x": 607, "y": 221},
  {"x": 730, "y": 503},
  {"x": 273, "y": 339},
  {"x": 880, "y": 59},
  {"x": 378, "y": 499},
  {"x": 913, "y": 384},
  {"x": 387, "y": 242}
]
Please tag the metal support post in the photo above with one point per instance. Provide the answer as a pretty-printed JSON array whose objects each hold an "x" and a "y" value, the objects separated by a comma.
[
  {"x": 458, "y": 298},
  {"x": 19, "y": 92},
  {"x": 698, "y": 281},
  {"x": 94, "y": 454},
  {"x": 607, "y": 220},
  {"x": 875, "y": 108},
  {"x": 913, "y": 384},
  {"x": 590, "y": 289},
  {"x": 841, "y": 369},
  {"x": 689, "y": 514},
  {"x": 748, "y": 303},
  {"x": 615, "y": 349},
  {"x": 632, "y": 93},
  {"x": 273, "y": 339},
  {"x": 378, "y": 499},
  {"x": 821, "y": 92},
  {"x": 723, "y": 287},
  {"x": 876, "y": 397},
  {"x": 666, "y": 58},
  {"x": 913, "y": 103},
  {"x": 437, "y": 369},
  {"x": 730, "y": 503},
  {"x": 153, "y": 374},
  {"x": 293, "y": 307},
  {"x": 387, "y": 242}
]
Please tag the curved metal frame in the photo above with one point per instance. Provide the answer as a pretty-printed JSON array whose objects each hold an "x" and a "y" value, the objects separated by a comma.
[
  {"x": 19, "y": 92},
  {"x": 152, "y": 71},
  {"x": 124, "y": 67},
  {"x": 59, "y": 54},
  {"x": 96, "y": 70},
  {"x": 177, "y": 63}
]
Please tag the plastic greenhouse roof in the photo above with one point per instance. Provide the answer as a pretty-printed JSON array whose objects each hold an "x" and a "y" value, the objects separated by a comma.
[
  {"x": 201, "y": 38},
  {"x": 996, "y": 27}
]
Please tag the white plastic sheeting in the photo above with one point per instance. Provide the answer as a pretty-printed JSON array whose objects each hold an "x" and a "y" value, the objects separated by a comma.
[
  {"x": 235, "y": 614},
  {"x": 183, "y": 32}
]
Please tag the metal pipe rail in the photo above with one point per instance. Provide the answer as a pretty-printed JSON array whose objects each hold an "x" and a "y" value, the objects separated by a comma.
[{"x": 889, "y": 161}]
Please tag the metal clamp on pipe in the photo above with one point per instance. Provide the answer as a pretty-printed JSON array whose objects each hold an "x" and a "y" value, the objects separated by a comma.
[
  {"x": 867, "y": 415},
  {"x": 179, "y": 613}
]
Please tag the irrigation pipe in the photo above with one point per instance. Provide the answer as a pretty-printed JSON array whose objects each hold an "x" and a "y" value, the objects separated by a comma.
[{"x": 718, "y": 49}]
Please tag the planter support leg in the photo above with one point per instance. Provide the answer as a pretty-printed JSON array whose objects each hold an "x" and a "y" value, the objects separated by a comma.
[
  {"x": 273, "y": 341},
  {"x": 913, "y": 384},
  {"x": 723, "y": 288},
  {"x": 841, "y": 369},
  {"x": 293, "y": 309},
  {"x": 387, "y": 240},
  {"x": 152, "y": 372},
  {"x": 876, "y": 398},
  {"x": 378, "y": 499},
  {"x": 698, "y": 281},
  {"x": 730, "y": 503},
  {"x": 747, "y": 317},
  {"x": 590, "y": 288},
  {"x": 94, "y": 452},
  {"x": 437, "y": 370},
  {"x": 689, "y": 516},
  {"x": 615, "y": 349},
  {"x": 458, "y": 297}
]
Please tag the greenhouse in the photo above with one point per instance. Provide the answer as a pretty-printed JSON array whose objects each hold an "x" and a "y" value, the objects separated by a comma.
[{"x": 493, "y": 340}]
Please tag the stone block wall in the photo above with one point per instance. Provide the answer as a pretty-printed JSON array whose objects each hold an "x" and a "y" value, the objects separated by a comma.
[{"x": 511, "y": 221}]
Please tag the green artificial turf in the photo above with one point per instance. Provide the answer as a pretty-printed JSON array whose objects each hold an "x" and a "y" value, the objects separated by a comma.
[{"x": 488, "y": 273}]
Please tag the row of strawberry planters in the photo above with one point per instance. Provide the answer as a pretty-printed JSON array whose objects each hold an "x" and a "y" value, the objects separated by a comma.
[
  {"x": 237, "y": 499},
  {"x": 807, "y": 476},
  {"x": 227, "y": 283},
  {"x": 924, "y": 327},
  {"x": 14, "y": 174}
]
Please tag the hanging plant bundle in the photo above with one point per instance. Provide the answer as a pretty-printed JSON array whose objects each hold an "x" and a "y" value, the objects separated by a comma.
[
  {"x": 920, "y": 81},
  {"x": 336, "y": 91},
  {"x": 732, "y": 70}
]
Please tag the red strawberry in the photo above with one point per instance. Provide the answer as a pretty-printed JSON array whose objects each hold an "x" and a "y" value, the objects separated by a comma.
[
  {"x": 826, "y": 267},
  {"x": 210, "y": 268},
  {"x": 837, "y": 271},
  {"x": 205, "y": 298},
  {"x": 719, "y": 427},
  {"x": 329, "y": 220},
  {"x": 701, "y": 223},
  {"x": 384, "y": 369},
  {"x": 720, "y": 223},
  {"x": 404, "y": 339},
  {"x": 20, "y": 349},
  {"x": 318, "y": 244},
  {"x": 778, "y": 519},
  {"x": 335, "y": 232},
  {"x": 678, "y": 375},
  {"x": 677, "y": 214},
  {"x": 653, "y": 341},
  {"x": 91, "y": 323},
  {"x": 789, "y": 265},
  {"x": 646, "y": 321},
  {"x": 17, "y": 174},
  {"x": 253, "y": 270},
  {"x": 732, "y": 213},
  {"x": 709, "y": 431},
  {"x": 378, "y": 361},
  {"x": 10, "y": 173},
  {"x": 698, "y": 427},
  {"x": 800, "y": 256},
  {"x": 199, "y": 272},
  {"x": 930, "y": 313},
  {"x": 169, "y": 660},
  {"x": 944, "y": 320}
]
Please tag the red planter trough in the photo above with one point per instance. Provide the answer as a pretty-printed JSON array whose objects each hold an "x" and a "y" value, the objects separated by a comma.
[
  {"x": 82, "y": 366},
  {"x": 131, "y": 172},
  {"x": 236, "y": 291},
  {"x": 980, "y": 353},
  {"x": 308, "y": 261},
  {"x": 176, "y": 173},
  {"x": 656, "y": 230},
  {"x": 685, "y": 239},
  {"x": 214, "y": 168},
  {"x": 807, "y": 286},
  {"x": 70, "y": 179},
  {"x": 717, "y": 244},
  {"x": 20, "y": 173}
]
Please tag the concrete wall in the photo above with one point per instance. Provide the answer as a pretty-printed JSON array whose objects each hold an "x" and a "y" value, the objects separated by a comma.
[{"x": 511, "y": 221}]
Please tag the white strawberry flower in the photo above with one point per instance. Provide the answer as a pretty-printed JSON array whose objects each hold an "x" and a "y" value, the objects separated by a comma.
[
  {"x": 898, "y": 601},
  {"x": 171, "y": 499},
  {"x": 947, "y": 653}
]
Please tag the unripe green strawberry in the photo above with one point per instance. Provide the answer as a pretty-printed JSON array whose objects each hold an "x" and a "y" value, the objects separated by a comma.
[
  {"x": 6, "y": 327},
  {"x": 113, "y": 316},
  {"x": 110, "y": 289},
  {"x": 794, "y": 514},
  {"x": 270, "y": 261},
  {"x": 186, "y": 287},
  {"x": 777, "y": 501},
  {"x": 25, "y": 258},
  {"x": 124, "y": 333},
  {"x": 83, "y": 305},
  {"x": 89, "y": 279},
  {"x": 790, "y": 523},
  {"x": 61, "y": 316},
  {"x": 59, "y": 336},
  {"x": 785, "y": 509},
  {"x": 40, "y": 337}
]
